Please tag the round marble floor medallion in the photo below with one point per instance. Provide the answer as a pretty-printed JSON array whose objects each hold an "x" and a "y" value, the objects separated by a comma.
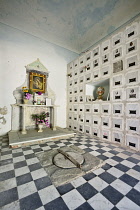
[{"x": 62, "y": 162}]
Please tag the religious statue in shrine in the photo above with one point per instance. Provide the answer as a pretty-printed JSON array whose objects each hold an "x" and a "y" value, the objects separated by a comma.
[{"x": 100, "y": 93}]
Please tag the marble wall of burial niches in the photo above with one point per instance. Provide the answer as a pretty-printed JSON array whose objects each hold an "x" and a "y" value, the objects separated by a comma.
[{"x": 115, "y": 61}]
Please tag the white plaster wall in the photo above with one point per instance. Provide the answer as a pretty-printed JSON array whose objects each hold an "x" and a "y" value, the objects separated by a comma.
[{"x": 17, "y": 49}]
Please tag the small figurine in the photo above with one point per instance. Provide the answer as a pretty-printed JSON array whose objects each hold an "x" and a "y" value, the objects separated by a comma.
[{"x": 100, "y": 92}]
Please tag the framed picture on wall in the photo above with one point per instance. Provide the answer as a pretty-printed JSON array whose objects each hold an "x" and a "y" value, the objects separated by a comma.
[{"x": 37, "y": 82}]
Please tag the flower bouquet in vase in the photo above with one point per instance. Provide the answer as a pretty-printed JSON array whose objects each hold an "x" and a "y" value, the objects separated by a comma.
[
  {"x": 41, "y": 119},
  {"x": 27, "y": 94}
]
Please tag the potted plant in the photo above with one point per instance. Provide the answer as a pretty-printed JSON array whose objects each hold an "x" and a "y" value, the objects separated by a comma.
[{"x": 41, "y": 119}]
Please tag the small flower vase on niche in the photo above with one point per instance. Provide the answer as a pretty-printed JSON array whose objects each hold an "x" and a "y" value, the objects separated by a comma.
[
  {"x": 40, "y": 127},
  {"x": 25, "y": 101}
]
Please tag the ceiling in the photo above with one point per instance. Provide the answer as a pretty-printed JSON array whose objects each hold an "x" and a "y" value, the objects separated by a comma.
[{"x": 73, "y": 24}]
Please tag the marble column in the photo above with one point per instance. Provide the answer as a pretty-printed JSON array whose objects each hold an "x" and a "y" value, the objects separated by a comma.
[{"x": 23, "y": 119}]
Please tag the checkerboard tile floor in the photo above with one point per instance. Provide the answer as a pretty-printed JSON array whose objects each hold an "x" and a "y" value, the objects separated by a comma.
[{"x": 24, "y": 184}]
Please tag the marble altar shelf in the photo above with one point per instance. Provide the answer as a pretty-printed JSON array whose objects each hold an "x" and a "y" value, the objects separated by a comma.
[
  {"x": 21, "y": 116},
  {"x": 16, "y": 139}
]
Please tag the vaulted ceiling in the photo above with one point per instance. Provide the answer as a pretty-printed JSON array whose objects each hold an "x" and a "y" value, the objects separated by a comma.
[{"x": 72, "y": 24}]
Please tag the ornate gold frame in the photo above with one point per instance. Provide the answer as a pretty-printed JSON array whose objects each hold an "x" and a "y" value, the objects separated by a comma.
[{"x": 37, "y": 82}]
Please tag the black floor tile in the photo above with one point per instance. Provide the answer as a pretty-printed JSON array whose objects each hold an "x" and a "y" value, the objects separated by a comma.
[
  {"x": 32, "y": 155},
  {"x": 112, "y": 195},
  {"x": 56, "y": 204},
  {"x": 37, "y": 150},
  {"x": 5, "y": 146},
  {"x": 24, "y": 179},
  {"x": 88, "y": 150},
  {"x": 43, "y": 182},
  {"x": 7, "y": 175},
  {"x": 77, "y": 144},
  {"x": 68, "y": 143},
  {"x": 111, "y": 146},
  {"x": 27, "y": 148},
  {"x": 65, "y": 188},
  {"x": 137, "y": 168},
  {"x": 53, "y": 146},
  {"x": 102, "y": 157},
  {"x": 84, "y": 206},
  {"x": 100, "y": 150},
  {"x": 107, "y": 177},
  {"x": 87, "y": 191},
  {"x": 133, "y": 160},
  {"x": 89, "y": 176},
  {"x": 98, "y": 145},
  {"x": 30, "y": 202},
  {"x": 113, "y": 152},
  {"x": 121, "y": 167},
  {"x": 17, "y": 154},
  {"x": 35, "y": 166},
  {"x": 8, "y": 196},
  {"x": 114, "y": 208},
  {"x": 6, "y": 152},
  {"x": 106, "y": 166},
  {"x": 129, "y": 180},
  {"x": 127, "y": 153},
  {"x": 43, "y": 145},
  {"x": 134, "y": 196},
  {"x": 20, "y": 164},
  {"x": 118, "y": 159},
  {"x": 88, "y": 145},
  {"x": 5, "y": 162}
]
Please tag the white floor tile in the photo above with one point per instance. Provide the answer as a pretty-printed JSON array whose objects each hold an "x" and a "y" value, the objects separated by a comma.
[
  {"x": 98, "y": 183},
  {"x": 35, "y": 146},
  {"x": 121, "y": 186},
  {"x": 106, "y": 149},
  {"x": 127, "y": 204},
  {"x": 77, "y": 182},
  {"x": 73, "y": 199},
  {"x": 94, "y": 153},
  {"x": 134, "y": 174},
  {"x": 18, "y": 159},
  {"x": 17, "y": 150},
  {"x": 121, "y": 155},
  {"x": 41, "y": 208},
  {"x": 26, "y": 189},
  {"x": 94, "y": 148},
  {"x": 111, "y": 162},
  {"x": 128, "y": 163},
  {"x": 136, "y": 156},
  {"x": 50, "y": 143},
  {"x": 8, "y": 184},
  {"x": 137, "y": 186},
  {"x": 5, "y": 157},
  {"x": 27, "y": 152},
  {"x": 108, "y": 154},
  {"x": 98, "y": 171},
  {"x": 32, "y": 161},
  {"x": 115, "y": 172},
  {"x": 48, "y": 194},
  {"x": 99, "y": 202},
  {"x": 82, "y": 147},
  {"x": 38, "y": 173},
  {"x": 5, "y": 168},
  {"x": 21, "y": 171},
  {"x": 11, "y": 206}
]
